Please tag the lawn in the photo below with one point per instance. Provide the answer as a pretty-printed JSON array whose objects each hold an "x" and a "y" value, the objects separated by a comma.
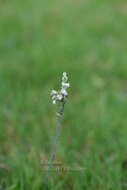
[{"x": 38, "y": 41}]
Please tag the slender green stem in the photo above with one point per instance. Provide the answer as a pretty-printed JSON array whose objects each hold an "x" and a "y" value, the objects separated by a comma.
[{"x": 60, "y": 114}]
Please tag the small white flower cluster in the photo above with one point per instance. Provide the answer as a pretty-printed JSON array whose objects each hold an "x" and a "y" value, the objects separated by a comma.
[{"x": 60, "y": 95}]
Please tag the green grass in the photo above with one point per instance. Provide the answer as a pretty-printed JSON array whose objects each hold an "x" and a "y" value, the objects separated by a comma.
[{"x": 38, "y": 41}]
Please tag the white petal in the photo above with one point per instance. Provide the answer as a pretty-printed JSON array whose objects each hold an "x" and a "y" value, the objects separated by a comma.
[
  {"x": 53, "y": 92},
  {"x": 64, "y": 92},
  {"x": 54, "y": 101},
  {"x": 53, "y": 97},
  {"x": 65, "y": 84},
  {"x": 59, "y": 96}
]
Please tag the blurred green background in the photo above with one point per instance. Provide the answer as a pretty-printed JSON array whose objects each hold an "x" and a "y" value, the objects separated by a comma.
[{"x": 38, "y": 41}]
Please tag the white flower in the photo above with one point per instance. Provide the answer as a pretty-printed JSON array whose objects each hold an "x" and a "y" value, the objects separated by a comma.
[
  {"x": 64, "y": 78},
  {"x": 65, "y": 84},
  {"x": 53, "y": 92},
  {"x": 54, "y": 101},
  {"x": 60, "y": 95},
  {"x": 54, "y": 97},
  {"x": 64, "y": 92}
]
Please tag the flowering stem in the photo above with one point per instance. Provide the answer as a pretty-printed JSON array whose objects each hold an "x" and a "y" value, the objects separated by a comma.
[{"x": 60, "y": 114}]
